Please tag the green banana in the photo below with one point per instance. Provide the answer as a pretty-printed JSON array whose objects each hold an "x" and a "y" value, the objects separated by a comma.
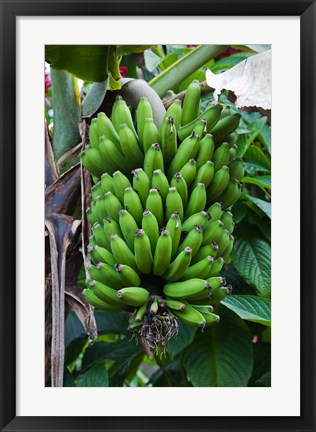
[
  {"x": 174, "y": 228},
  {"x": 181, "y": 185},
  {"x": 232, "y": 138},
  {"x": 197, "y": 200},
  {"x": 162, "y": 254},
  {"x": 236, "y": 169},
  {"x": 224, "y": 242},
  {"x": 141, "y": 184},
  {"x": 93, "y": 134},
  {"x": 216, "y": 282},
  {"x": 130, "y": 147},
  {"x": 153, "y": 160},
  {"x": 110, "y": 226},
  {"x": 225, "y": 254},
  {"x": 99, "y": 304},
  {"x": 228, "y": 221},
  {"x": 203, "y": 252},
  {"x": 150, "y": 134},
  {"x": 127, "y": 275},
  {"x": 100, "y": 254},
  {"x": 96, "y": 190},
  {"x": 201, "y": 128},
  {"x": 143, "y": 254},
  {"x": 140, "y": 313},
  {"x": 92, "y": 218},
  {"x": 95, "y": 159},
  {"x": 175, "y": 305},
  {"x": 121, "y": 114},
  {"x": 177, "y": 267},
  {"x": 218, "y": 294},
  {"x": 193, "y": 240},
  {"x": 233, "y": 152},
  {"x": 188, "y": 171},
  {"x": 231, "y": 194},
  {"x": 186, "y": 151},
  {"x": 160, "y": 182},
  {"x": 199, "y": 270},
  {"x": 107, "y": 183},
  {"x": 211, "y": 115},
  {"x": 205, "y": 174},
  {"x": 174, "y": 203},
  {"x": 191, "y": 103},
  {"x": 221, "y": 156},
  {"x": 218, "y": 184},
  {"x": 105, "y": 128},
  {"x": 175, "y": 111},
  {"x": 213, "y": 231},
  {"x": 184, "y": 289},
  {"x": 225, "y": 127},
  {"x": 106, "y": 274},
  {"x": 133, "y": 296},
  {"x": 99, "y": 208},
  {"x": 169, "y": 140},
  {"x": 104, "y": 292},
  {"x": 121, "y": 252},
  {"x": 191, "y": 316},
  {"x": 113, "y": 206},
  {"x": 133, "y": 204},
  {"x": 120, "y": 183},
  {"x": 199, "y": 219},
  {"x": 206, "y": 150},
  {"x": 151, "y": 228},
  {"x": 128, "y": 227},
  {"x": 99, "y": 235},
  {"x": 154, "y": 204},
  {"x": 215, "y": 211},
  {"x": 143, "y": 111},
  {"x": 114, "y": 158},
  {"x": 210, "y": 318},
  {"x": 216, "y": 267}
]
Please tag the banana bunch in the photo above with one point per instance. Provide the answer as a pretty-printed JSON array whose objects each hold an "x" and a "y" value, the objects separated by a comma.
[{"x": 161, "y": 225}]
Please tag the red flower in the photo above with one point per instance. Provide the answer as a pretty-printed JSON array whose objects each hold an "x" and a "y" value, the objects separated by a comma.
[
  {"x": 123, "y": 71},
  {"x": 48, "y": 83}
]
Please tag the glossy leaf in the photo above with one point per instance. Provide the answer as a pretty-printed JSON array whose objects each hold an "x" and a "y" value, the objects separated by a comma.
[
  {"x": 250, "y": 308},
  {"x": 88, "y": 62},
  {"x": 97, "y": 376},
  {"x": 264, "y": 206},
  {"x": 222, "y": 355},
  {"x": 66, "y": 112},
  {"x": 93, "y": 100},
  {"x": 262, "y": 181},
  {"x": 252, "y": 259},
  {"x": 182, "y": 340}
]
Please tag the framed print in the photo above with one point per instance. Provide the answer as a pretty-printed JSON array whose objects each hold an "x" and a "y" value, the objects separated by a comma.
[{"x": 160, "y": 295}]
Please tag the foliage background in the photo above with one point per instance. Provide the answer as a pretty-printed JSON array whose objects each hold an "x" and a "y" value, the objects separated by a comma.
[{"x": 237, "y": 351}]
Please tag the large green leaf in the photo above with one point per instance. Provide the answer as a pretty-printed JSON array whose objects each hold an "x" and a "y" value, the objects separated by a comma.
[
  {"x": 130, "y": 49},
  {"x": 93, "y": 100},
  {"x": 244, "y": 140},
  {"x": 88, "y": 62},
  {"x": 97, "y": 376},
  {"x": 255, "y": 160},
  {"x": 261, "y": 181},
  {"x": 152, "y": 60},
  {"x": 252, "y": 259},
  {"x": 65, "y": 101},
  {"x": 184, "y": 67},
  {"x": 250, "y": 308},
  {"x": 230, "y": 61},
  {"x": 182, "y": 340},
  {"x": 222, "y": 355},
  {"x": 264, "y": 206},
  {"x": 262, "y": 364}
]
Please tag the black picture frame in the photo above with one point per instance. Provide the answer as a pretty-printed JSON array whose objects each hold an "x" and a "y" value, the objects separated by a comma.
[{"x": 9, "y": 10}]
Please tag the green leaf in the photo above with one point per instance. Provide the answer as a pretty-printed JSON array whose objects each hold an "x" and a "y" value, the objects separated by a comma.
[
  {"x": 184, "y": 67},
  {"x": 239, "y": 211},
  {"x": 222, "y": 355},
  {"x": 255, "y": 159},
  {"x": 182, "y": 340},
  {"x": 131, "y": 49},
  {"x": 262, "y": 181},
  {"x": 252, "y": 259},
  {"x": 230, "y": 61},
  {"x": 265, "y": 380},
  {"x": 152, "y": 60},
  {"x": 244, "y": 140},
  {"x": 97, "y": 376},
  {"x": 170, "y": 376},
  {"x": 93, "y": 100},
  {"x": 101, "y": 351},
  {"x": 65, "y": 100},
  {"x": 262, "y": 362},
  {"x": 109, "y": 322},
  {"x": 88, "y": 62},
  {"x": 265, "y": 137},
  {"x": 264, "y": 206},
  {"x": 250, "y": 308},
  {"x": 168, "y": 60}
]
